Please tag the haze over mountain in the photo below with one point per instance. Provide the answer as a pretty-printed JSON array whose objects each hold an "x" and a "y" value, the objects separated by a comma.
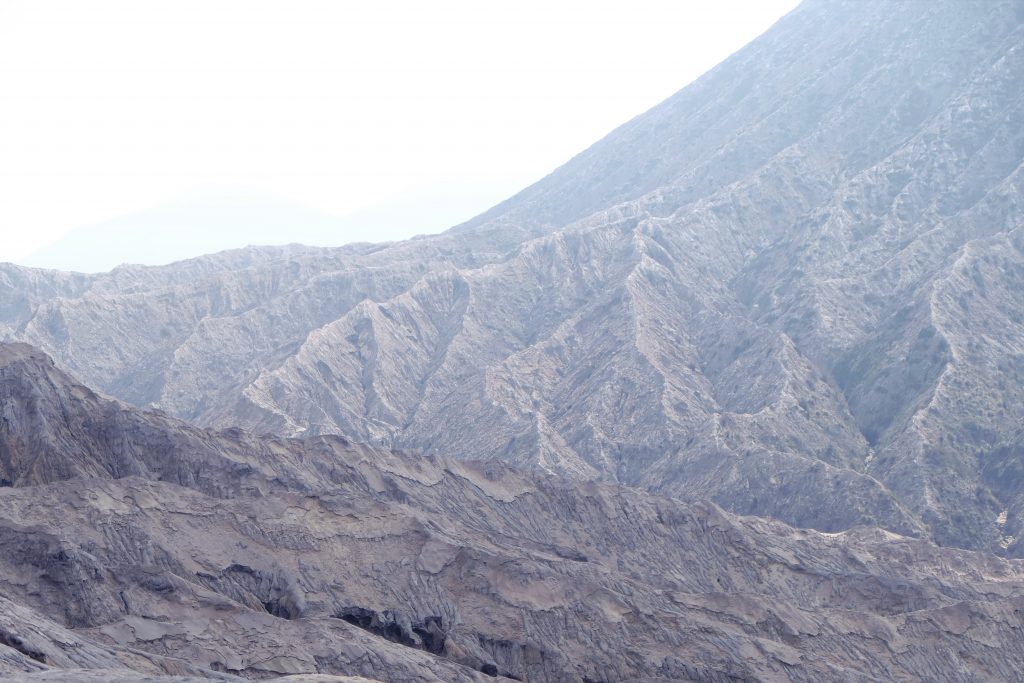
[
  {"x": 112, "y": 108},
  {"x": 220, "y": 217},
  {"x": 793, "y": 288}
]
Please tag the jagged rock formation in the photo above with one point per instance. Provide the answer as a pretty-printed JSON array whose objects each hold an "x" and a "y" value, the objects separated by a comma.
[
  {"x": 159, "y": 548},
  {"x": 794, "y": 288}
]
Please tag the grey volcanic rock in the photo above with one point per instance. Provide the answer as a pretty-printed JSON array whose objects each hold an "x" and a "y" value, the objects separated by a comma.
[
  {"x": 795, "y": 288},
  {"x": 292, "y": 557}
]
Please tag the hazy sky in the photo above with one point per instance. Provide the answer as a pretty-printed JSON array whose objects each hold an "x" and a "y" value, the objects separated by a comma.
[{"x": 108, "y": 109}]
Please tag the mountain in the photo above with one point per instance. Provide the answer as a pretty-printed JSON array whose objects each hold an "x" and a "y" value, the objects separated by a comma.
[
  {"x": 217, "y": 217},
  {"x": 793, "y": 288},
  {"x": 134, "y": 544},
  {"x": 206, "y": 220}
]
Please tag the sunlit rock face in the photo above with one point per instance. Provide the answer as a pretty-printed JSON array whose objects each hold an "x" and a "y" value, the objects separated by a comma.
[
  {"x": 134, "y": 546},
  {"x": 795, "y": 288}
]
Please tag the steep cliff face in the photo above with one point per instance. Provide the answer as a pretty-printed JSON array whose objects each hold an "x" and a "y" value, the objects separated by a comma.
[
  {"x": 794, "y": 288},
  {"x": 156, "y": 548}
]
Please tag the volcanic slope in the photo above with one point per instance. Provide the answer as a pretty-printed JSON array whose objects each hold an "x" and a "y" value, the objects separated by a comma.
[
  {"x": 133, "y": 542},
  {"x": 795, "y": 287}
]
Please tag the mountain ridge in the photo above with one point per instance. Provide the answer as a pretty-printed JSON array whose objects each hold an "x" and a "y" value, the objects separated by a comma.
[
  {"x": 797, "y": 311},
  {"x": 227, "y": 556}
]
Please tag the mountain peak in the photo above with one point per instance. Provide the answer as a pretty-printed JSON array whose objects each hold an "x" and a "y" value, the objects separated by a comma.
[{"x": 20, "y": 352}]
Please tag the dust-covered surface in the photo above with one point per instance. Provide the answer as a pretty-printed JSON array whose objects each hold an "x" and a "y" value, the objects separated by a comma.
[{"x": 132, "y": 541}]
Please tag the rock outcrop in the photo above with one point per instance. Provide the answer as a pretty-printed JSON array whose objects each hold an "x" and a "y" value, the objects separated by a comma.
[{"x": 166, "y": 550}]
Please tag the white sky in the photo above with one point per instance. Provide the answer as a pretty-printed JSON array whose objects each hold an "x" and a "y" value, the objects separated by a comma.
[{"x": 110, "y": 108}]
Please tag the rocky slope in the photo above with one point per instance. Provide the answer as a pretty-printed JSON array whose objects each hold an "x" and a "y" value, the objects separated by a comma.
[
  {"x": 794, "y": 288},
  {"x": 132, "y": 542}
]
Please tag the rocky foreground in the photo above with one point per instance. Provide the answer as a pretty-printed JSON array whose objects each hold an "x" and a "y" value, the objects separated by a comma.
[{"x": 134, "y": 545}]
